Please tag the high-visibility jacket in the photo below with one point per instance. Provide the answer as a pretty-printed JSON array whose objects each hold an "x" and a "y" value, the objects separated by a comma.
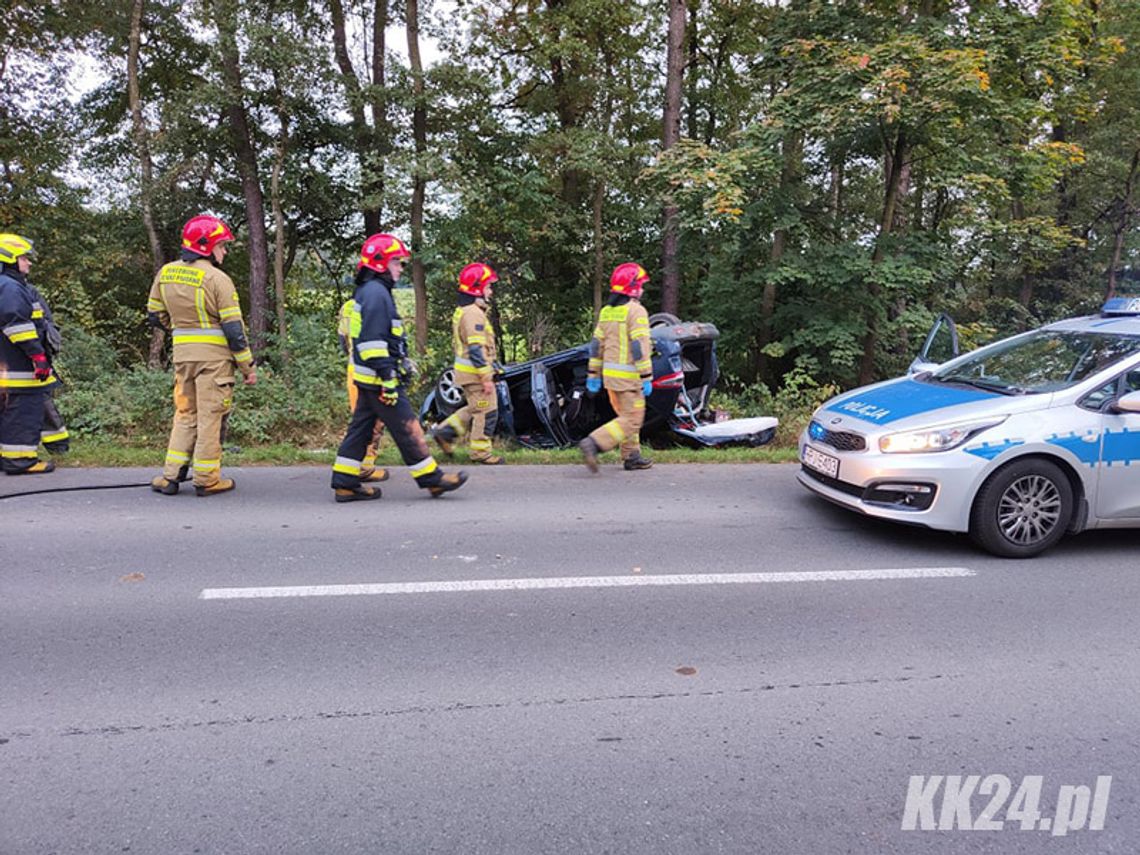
[
  {"x": 198, "y": 303},
  {"x": 377, "y": 332},
  {"x": 621, "y": 349},
  {"x": 20, "y": 339},
  {"x": 473, "y": 341},
  {"x": 45, "y": 322}
]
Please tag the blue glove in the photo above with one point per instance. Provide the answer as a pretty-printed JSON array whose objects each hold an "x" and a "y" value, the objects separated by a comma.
[
  {"x": 646, "y": 388},
  {"x": 593, "y": 385}
]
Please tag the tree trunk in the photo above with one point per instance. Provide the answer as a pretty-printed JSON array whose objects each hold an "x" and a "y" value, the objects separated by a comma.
[
  {"x": 242, "y": 141},
  {"x": 146, "y": 165},
  {"x": 279, "y": 152},
  {"x": 691, "y": 59},
  {"x": 599, "y": 249},
  {"x": 671, "y": 133},
  {"x": 363, "y": 136},
  {"x": 897, "y": 160},
  {"x": 1128, "y": 210},
  {"x": 419, "y": 183},
  {"x": 789, "y": 174}
]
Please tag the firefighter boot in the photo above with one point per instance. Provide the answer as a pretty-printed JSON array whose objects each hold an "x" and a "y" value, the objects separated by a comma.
[
  {"x": 637, "y": 462},
  {"x": 373, "y": 474},
  {"x": 489, "y": 460},
  {"x": 360, "y": 494},
  {"x": 40, "y": 467},
  {"x": 223, "y": 485},
  {"x": 445, "y": 437},
  {"x": 589, "y": 450},
  {"x": 448, "y": 483},
  {"x": 161, "y": 485}
]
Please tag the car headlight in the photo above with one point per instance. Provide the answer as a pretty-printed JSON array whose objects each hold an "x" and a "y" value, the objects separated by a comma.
[{"x": 935, "y": 439}]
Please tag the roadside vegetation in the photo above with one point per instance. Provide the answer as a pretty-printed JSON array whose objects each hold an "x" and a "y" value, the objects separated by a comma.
[{"x": 820, "y": 180}]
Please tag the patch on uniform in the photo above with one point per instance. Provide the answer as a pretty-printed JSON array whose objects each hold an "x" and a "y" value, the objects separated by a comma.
[
  {"x": 180, "y": 274},
  {"x": 482, "y": 405},
  {"x": 480, "y": 327}
]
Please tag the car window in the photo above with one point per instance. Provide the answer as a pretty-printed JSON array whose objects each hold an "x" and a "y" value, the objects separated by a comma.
[
  {"x": 1096, "y": 400},
  {"x": 1131, "y": 382},
  {"x": 1045, "y": 361}
]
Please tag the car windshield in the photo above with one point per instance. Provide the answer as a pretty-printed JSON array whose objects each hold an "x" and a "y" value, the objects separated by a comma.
[{"x": 1045, "y": 361}]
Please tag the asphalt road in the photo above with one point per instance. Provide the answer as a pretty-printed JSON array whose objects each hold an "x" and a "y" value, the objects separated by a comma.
[{"x": 136, "y": 716}]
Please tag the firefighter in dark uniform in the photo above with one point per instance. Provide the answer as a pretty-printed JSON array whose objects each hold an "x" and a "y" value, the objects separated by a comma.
[
  {"x": 621, "y": 353},
  {"x": 53, "y": 434},
  {"x": 369, "y": 472},
  {"x": 473, "y": 342},
  {"x": 379, "y": 364},
  {"x": 25, "y": 368},
  {"x": 198, "y": 304}
]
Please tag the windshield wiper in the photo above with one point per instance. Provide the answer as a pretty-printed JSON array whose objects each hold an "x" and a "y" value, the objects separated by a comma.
[{"x": 983, "y": 383}]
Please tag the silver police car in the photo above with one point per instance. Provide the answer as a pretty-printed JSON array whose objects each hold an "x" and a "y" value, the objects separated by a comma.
[{"x": 1017, "y": 443}]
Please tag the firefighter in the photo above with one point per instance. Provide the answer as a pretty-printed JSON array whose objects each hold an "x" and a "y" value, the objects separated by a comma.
[
  {"x": 196, "y": 302},
  {"x": 53, "y": 433},
  {"x": 474, "y": 344},
  {"x": 25, "y": 367},
  {"x": 368, "y": 471},
  {"x": 621, "y": 352},
  {"x": 379, "y": 366}
]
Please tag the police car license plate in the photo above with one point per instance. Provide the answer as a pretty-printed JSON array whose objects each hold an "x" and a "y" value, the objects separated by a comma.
[{"x": 820, "y": 462}]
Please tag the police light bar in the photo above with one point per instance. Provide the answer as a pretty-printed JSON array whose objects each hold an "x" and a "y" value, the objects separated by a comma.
[{"x": 1121, "y": 306}]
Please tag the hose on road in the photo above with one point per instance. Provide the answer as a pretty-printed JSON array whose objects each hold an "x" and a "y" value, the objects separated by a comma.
[{"x": 74, "y": 489}]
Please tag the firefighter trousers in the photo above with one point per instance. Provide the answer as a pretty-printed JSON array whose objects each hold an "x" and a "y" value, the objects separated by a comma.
[
  {"x": 21, "y": 416},
  {"x": 625, "y": 430},
  {"x": 480, "y": 416},
  {"x": 53, "y": 433},
  {"x": 405, "y": 429},
  {"x": 377, "y": 432},
  {"x": 203, "y": 398}
]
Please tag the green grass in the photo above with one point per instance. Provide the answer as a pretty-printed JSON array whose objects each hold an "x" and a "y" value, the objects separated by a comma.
[{"x": 105, "y": 453}]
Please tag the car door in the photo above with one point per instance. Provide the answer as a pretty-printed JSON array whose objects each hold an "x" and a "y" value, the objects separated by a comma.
[
  {"x": 1118, "y": 479},
  {"x": 545, "y": 399},
  {"x": 941, "y": 345}
]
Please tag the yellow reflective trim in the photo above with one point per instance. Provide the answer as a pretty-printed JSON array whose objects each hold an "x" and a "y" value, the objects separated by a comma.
[
  {"x": 55, "y": 437},
  {"x": 373, "y": 353},
  {"x": 17, "y": 454},
  {"x": 424, "y": 468},
  {"x": 366, "y": 379},
  {"x": 16, "y": 338},
  {"x": 206, "y": 465},
  {"x": 615, "y": 431},
  {"x": 244, "y": 355},
  {"x": 229, "y": 314},
  {"x": 37, "y": 314},
  {"x": 154, "y": 305},
  {"x": 200, "y": 306},
  {"x": 177, "y": 456}
]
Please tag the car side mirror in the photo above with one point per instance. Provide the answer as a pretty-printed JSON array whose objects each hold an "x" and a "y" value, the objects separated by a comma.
[
  {"x": 1127, "y": 403},
  {"x": 921, "y": 367}
]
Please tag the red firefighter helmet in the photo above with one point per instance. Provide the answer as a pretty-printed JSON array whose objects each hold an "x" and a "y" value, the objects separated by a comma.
[
  {"x": 474, "y": 279},
  {"x": 628, "y": 279},
  {"x": 379, "y": 249},
  {"x": 201, "y": 234}
]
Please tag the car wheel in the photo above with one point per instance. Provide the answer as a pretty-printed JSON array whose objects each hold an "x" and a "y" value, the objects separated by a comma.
[
  {"x": 1022, "y": 510},
  {"x": 448, "y": 394},
  {"x": 663, "y": 319}
]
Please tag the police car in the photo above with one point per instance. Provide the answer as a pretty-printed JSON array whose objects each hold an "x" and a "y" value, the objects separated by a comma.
[{"x": 1017, "y": 443}]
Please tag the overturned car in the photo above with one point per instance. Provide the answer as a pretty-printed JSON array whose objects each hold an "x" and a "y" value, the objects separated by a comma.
[{"x": 543, "y": 402}]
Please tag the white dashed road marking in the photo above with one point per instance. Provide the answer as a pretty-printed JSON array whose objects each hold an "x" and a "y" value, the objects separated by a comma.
[{"x": 543, "y": 584}]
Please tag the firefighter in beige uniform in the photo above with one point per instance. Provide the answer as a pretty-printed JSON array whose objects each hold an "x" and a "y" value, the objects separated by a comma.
[
  {"x": 621, "y": 352},
  {"x": 474, "y": 343},
  {"x": 197, "y": 302}
]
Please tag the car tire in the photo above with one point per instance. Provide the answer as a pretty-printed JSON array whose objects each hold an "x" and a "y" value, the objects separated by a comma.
[
  {"x": 448, "y": 394},
  {"x": 663, "y": 319},
  {"x": 1023, "y": 509}
]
